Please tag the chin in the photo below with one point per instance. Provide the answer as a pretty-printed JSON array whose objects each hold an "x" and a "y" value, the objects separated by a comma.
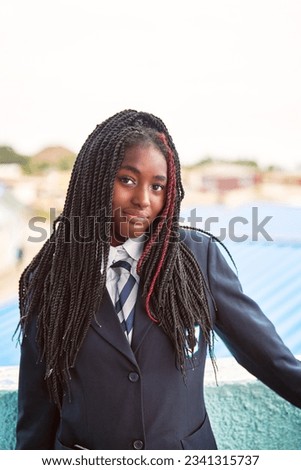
[{"x": 136, "y": 233}]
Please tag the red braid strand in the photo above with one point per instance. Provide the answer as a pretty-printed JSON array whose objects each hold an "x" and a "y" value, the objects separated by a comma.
[{"x": 166, "y": 216}]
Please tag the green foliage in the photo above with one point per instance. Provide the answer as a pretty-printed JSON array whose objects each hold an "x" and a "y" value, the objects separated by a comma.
[
  {"x": 26, "y": 167},
  {"x": 206, "y": 161},
  {"x": 211, "y": 160},
  {"x": 36, "y": 165},
  {"x": 251, "y": 163},
  {"x": 8, "y": 155},
  {"x": 271, "y": 168},
  {"x": 66, "y": 163}
]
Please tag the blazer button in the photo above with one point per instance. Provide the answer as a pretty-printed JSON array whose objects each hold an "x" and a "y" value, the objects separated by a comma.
[
  {"x": 138, "y": 445},
  {"x": 133, "y": 377}
]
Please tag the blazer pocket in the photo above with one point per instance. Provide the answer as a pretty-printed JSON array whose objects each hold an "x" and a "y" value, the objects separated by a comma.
[
  {"x": 60, "y": 446},
  {"x": 192, "y": 362},
  {"x": 201, "y": 439}
]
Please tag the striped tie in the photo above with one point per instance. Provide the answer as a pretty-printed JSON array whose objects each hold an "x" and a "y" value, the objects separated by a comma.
[{"x": 127, "y": 292}]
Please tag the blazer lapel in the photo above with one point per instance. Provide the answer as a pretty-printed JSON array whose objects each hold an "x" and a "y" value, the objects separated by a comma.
[
  {"x": 107, "y": 325},
  {"x": 142, "y": 323}
]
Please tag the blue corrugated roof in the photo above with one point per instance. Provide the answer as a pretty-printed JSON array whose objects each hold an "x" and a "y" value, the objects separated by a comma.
[
  {"x": 270, "y": 273},
  {"x": 282, "y": 221},
  {"x": 9, "y": 348},
  {"x": 269, "y": 268}
]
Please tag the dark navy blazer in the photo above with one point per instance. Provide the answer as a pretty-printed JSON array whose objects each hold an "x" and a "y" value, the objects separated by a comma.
[{"x": 135, "y": 397}]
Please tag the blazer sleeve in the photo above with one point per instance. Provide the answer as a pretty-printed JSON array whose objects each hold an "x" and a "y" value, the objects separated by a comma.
[
  {"x": 249, "y": 334},
  {"x": 38, "y": 417}
]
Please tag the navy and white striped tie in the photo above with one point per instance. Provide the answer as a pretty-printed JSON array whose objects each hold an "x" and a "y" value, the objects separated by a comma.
[{"x": 127, "y": 293}]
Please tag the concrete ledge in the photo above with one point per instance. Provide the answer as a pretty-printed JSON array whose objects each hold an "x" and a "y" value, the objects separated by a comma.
[
  {"x": 244, "y": 413},
  {"x": 8, "y": 416},
  {"x": 251, "y": 416}
]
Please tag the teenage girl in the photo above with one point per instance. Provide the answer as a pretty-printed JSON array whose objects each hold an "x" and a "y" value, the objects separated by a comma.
[{"x": 99, "y": 371}]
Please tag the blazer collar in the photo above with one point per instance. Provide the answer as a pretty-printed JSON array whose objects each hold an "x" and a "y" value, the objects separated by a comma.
[{"x": 107, "y": 325}]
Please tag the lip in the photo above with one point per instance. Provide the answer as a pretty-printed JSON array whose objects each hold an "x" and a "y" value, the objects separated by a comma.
[{"x": 134, "y": 215}]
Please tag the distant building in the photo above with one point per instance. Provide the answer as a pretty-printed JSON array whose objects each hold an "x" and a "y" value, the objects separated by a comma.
[
  {"x": 283, "y": 177},
  {"x": 221, "y": 177},
  {"x": 11, "y": 230},
  {"x": 10, "y": 171}
]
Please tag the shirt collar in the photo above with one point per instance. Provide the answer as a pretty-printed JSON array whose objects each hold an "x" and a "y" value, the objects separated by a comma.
[{"x": 133, "y": 247}]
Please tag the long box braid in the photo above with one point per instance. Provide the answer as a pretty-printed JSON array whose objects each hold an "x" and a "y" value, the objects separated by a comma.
[{"x": 65, "y": 282}]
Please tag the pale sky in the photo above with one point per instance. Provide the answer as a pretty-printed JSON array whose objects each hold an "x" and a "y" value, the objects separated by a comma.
[{"x": 225, "y": 76}]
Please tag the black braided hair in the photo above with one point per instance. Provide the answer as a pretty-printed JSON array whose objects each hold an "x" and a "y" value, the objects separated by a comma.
[{"x": 65, "y": 282}]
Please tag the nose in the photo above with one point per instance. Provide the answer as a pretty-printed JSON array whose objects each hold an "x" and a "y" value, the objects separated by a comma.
[{"x": 141, "y": 197}]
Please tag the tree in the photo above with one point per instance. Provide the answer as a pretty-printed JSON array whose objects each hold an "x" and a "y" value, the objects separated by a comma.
[{"x": 8, "y": 155}]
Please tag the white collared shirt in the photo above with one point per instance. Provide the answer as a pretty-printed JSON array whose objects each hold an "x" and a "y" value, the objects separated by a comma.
[{"x": 131, "y": 248}]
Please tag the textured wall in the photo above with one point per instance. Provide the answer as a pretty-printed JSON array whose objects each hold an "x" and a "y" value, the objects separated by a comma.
[
  {"x": 251, "y": 416},
  {"x": 8, "y": 414},
  {"x": 243, "y": 416}
]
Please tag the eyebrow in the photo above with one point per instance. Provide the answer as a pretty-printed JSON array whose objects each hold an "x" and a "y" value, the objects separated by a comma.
[{"x": 137, "y": 172}]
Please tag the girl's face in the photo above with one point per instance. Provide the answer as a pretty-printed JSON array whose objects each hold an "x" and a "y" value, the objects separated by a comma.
[{"x": 139, "y": 192}]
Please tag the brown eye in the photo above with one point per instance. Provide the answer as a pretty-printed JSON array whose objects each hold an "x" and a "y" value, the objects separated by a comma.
[
  {"x": 158, "y": 187},
  {"x": 126, "y": 180}
]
